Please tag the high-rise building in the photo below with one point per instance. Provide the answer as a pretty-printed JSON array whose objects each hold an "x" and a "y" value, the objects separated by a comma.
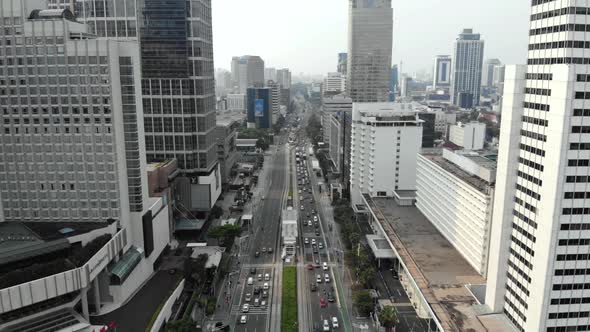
[
  {"x": 178, "y": 84},
  {"x": 336, "y": 122},
  {"x": 259, "y": 108},
  {"x": 284, "y": 78},
  {"x": 342, "y": 63},
  {"x": 247, "y": 72},
  {"x": 487, "y": 74},
  {"x": 499, "y": 72},
  {"x": 393, "y": 83},
  {"x": 275, "y": 99},
  {"x": 370, "y": 38},
  {"x": 270, "y": 74},
  {"x": 442, "y": 72},
  {"x": 538, "y": 273},
  {"x": 385, "y": 140},
  {"x": 334, "y": 83},
  {"x": 467, "y": 66},
  {"x": 470, "y": 136}
]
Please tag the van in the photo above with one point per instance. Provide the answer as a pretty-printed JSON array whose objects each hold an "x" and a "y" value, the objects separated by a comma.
[{"x": 250, "y": 281}]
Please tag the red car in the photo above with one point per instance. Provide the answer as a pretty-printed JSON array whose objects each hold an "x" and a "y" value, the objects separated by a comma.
[
  {"x": 310, "y": 266},
  {"x": 323, "y": 302}
]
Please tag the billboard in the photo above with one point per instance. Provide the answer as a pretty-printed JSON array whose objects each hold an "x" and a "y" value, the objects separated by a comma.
[{"x": 259, "y": 108}]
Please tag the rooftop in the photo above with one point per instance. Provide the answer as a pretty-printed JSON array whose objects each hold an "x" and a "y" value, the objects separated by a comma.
[
  {"x": 474, "y": 181},
  {"x": 438, "y": 269},
  {"x": 214, "y": 252}
]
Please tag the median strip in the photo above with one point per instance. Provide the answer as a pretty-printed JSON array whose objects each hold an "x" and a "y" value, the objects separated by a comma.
[{"x": 289, "y": 300}]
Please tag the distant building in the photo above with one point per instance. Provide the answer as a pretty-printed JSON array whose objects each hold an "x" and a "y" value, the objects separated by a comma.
[
  {"x": 284, "y": 78},
  {"x": 236, "y": 102},
  {"x": 385, "y": 140},
  {"x": 406, "y": 88},
  {"x": 247, "y": 71},
  {"x": 275, "y": 95},
  {"x": 455, "y": 191},
  {"x": 394, "y": 82},
  {"x": 467, "y": 67},
  {"x": 442, "y": 72},
  {"x": 342, "y": 63},
  {"x": 259, "y": 108},
  {"x": 334, "y": 83},
  {"x": 270, "y": 74},
  {"x": 429, "y": 119},
  {"x": 487, "y": 75},
  {"x": 369, "y": 50},
  {"x": 225, "y": 135},
  {"x": 285, "y": 97},
  {"x": 499, "y": 73},
  {"x": 470, "y": 136},
  {"x": 336, "y": 123}
]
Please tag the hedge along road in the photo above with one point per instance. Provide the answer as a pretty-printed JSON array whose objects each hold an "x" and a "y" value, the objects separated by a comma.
[{"x": 289, "y": 300}]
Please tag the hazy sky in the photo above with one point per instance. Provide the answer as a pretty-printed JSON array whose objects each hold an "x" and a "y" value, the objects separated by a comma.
[{"x": 307, "y": 35}]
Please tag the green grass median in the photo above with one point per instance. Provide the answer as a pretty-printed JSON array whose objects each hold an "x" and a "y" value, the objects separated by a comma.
[{"x": 289, "y": 301}]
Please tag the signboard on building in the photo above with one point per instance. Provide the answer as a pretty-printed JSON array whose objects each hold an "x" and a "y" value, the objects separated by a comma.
[{"x": 259, "y": 108}]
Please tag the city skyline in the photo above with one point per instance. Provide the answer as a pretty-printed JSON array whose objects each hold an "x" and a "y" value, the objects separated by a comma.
[{"x": 291, "y": 46}]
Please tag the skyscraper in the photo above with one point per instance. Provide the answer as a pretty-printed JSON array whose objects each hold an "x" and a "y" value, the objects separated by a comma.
[
  {"x": 466, "y": 74},
  {"x": 370, "y": 37},
  {"x": 247, "y": 72},
  {"x": 178, "y": 82},
  {"x": 284, "y": 78},
  {"x": 259, "y": 108},
  {"x": 487, "y": 74},
  {"x": 538, "y": 272},
  {"x": 442, "y": 72}
]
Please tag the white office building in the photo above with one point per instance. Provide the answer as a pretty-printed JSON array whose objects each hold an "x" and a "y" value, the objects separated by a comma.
[
  {"x": 539, "y": 273},
  {"x": 334, "y": 83},
  {"x": 467, "y": 67},
  {"x": 442, "y": 72},
  {"x": 487, "y": 74},
  {"x": 370, "y": 38},
  {"x": 385, "y": 140},
  {"x": 236, "y": 102},
  {"x": 470, "y": 136},
  {"x": 454, "y": 190},
  {"x": 73, "y": 151},
  {"x": 270, "y": 74}
]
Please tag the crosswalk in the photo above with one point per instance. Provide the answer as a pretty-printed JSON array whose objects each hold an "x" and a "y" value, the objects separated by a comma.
[{"x": 259, "y": 310}]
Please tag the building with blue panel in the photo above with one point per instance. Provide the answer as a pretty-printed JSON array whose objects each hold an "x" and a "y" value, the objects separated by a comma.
[{"x": 259, "y": 108}]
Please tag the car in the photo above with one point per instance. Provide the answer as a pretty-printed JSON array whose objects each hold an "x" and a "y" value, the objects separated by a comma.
[
  {"x": 326, "y": 325},
  {"x": 245, "y": 307},
  {"x": 327, "y": 277},
  {"x": 257, "y": 253},
  {"x": 335, "y": 322},
  {"x": 260, "y": 277},
  {"x": 318, "y": 279},
  {"x": 315, "y": 250},
  {"x": 263, "y": 250},
  {"x": 302, "y": 208},
  {"x": 309, "y": 223},
  {"x": 321, "y": 245},
  {"x": 317, "y": 232},
  {"x": 306, "y": 241},
  {"x": 313, "y": 241},
  {"x": 315, "y": 218},
  {"x": 257, "y": 290},
  {"x": 243, "y": 319},
  {"x": 265, "y": 286},
  {"x": 331, "y": 297},
  {"x": 256, "y": 302},
  {"x": 264, "y": 294},
  {"x": 252, "y": 270},
  {"x": 323, "y": 302},
  {"x": 250, "y": 281},
  {"x": 310, "y": 266},
  {"x": 263, "y": 303},
  {"x": 325, "y": 266},
  {"x": 248, "y": 297},
  {"x": 269, "y": 250},
  {"x": 314, "y": 287},
  {"x": 317, "y": 262},
  {"x": 267, "y": 277}
]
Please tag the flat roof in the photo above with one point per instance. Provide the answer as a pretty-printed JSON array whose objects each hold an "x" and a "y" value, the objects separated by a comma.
[
  {"x": 380, "y": 246},
  {"x": 434, "y": 264},
  {"x": 474, "y": 181},
  {"x": 214, "y": 252}
]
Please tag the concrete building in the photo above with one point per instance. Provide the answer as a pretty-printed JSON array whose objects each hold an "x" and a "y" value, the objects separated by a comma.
[
  {"x": 539, "y": 271},
  {"x": 442, "y": 72},
  {"x": 334, "y": 83},
  {"x": 487, "y": 75},
  {"x": 370, "y": 37},
  {"x": 337, "y": 125},
  {"x": 247, "y": 72},
  {"x": 342, "y": 63},
  {"x": 85, "y": 175},
  {"x": 223, "y": 82},
  {"x": 470, "y": 136},
  {"x": 259, "y": 108},
  {"x": 467, "y": 67},
  {"x": 275, "y": 101},
  {"x": 236, "y": 102},
  {"x": 499, "y": 73},
  {"x": 226, "y": 135},
  {"x": 454, "y": 190},
  {"x": 286, "y": 97},
  {"x": 385, "y": 140},
  {"x": 406, "y": 88},
  {"x": 284, "y": 78},
  {"x": 270, "y": 74}
]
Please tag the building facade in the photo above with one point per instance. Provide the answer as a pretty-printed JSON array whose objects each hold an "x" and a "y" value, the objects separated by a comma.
[
  {"x": 259, "y": 108},
  {"x": 336, "y": 116},
  {"x": 385, "y": 140},
  {"x": 455, "y": 192},
  {"x": 370, "y": 38},
  {"x": 467, "y": 67},
  {"x": 284, "y": 78},
  {"x": 334, "y": 83},
  {"x": 247, "y": 71},
  {"x": 342, "y": 63},
  {"x": 470, "y": 136},
  {"x": 442, "y": 72},
  {"x": 487, "y": 74}
]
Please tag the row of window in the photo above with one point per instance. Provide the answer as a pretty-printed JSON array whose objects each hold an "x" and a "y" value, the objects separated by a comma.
[
  {"x": 559, "y": 44},
  {"x": 559, "y": 28},
  {"x": 577, "y": 179},
  {"x": 537, "y": 151},
  {"x": 575, "y": 211},
  {"x": 521, "y": 259},
  {"x": 569, "y": 328},
  {"x": 518, "y": 284},
  {"x": 561, "y": 11},
  {"x": 538, "y": 91},
  {"x": 536, "y": 106},
  {"x": 523, "y": 232},
  {"x": 573, "y": 257},
  {"x": 524, "y": 218},
  {"x": 530, "y": 178},
  {"x": 522, "y": 246},
  {"x": 557, "y": 61},
  {"x": 578, "y": 286},
  {"x": 575, "y": 227},
  {"x": 536, "y": 121},
  {"x": 540, "y": 2},
  {"x": 525, "y": 205},
  {"x": 512, "y": 318},
  {"x": 581, "y": 129},
  {"x": 528, "y": 192},
  {"x": 533, "y": 135},
  {"x": 531, "y": 164},
  {"x": 576, "y": 195},
  {"x": 56, "y": 130},
  {"x": 579, "y": 146},
  {"x": 572, "y": 272},
  {"x": 539, "y": 76},
  {"x": 581, "y": 112},
  {"x": 578, "y": 162},
  {"x": 517, "y": 297},
  {"x": 519, "y": 271},
  {"x": 571, "y": 314}
]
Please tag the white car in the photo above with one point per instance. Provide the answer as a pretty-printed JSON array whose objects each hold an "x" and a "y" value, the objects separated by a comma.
[
  {"x": 321, "y": 245},
  {"x": 326, "y": 325},
  {"x": 246, "y": 307},
  {"x": 267, "y": 277},
  {"x": 302, "y": 208},
  {"x": 265, "y": 286},
  {"x": 248, "y": 297},
  {"x": 325, "y": 266},
  {"x": 243, "y": 319},
  {"x": 306, "y": 241},
  {"x": 315, "y": 218},
  {"x": 327, "y": 277},
  {"x": 318, "y": 279},
  {"x": 313, "y": 241},
  {"x": 335, "y": 322},
  {"x": 263, "y": 304}
]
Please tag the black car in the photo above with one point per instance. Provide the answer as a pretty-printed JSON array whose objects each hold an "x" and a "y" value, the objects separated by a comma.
[
  {"x": 317, "y": 232},
  {"x": 252, "y": 270},
  {"x": 331, "y": 297},
  {"x": 256, "y": 254},
  {"x": 256, "y": 290}
]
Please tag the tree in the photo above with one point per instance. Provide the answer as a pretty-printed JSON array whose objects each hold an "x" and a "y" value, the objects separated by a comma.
[
  {"x": 216, "y": 211},
  {"x": 366, "y": 274},
  {"x": 261, "y": 144},
  {"x": 194, "y": 269},
  {"x": 364, "y": 302},
  {"x": 388, "y": 317}
]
